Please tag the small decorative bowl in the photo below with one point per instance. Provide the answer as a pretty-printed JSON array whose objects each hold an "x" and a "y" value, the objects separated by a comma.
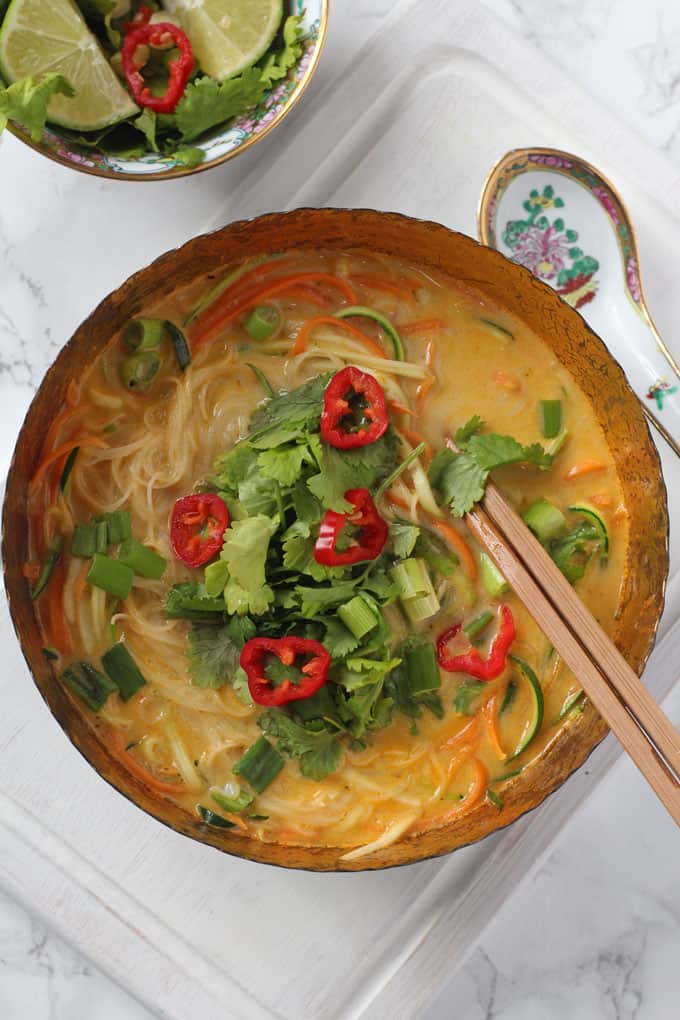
[{"x": 220, "y": 144}]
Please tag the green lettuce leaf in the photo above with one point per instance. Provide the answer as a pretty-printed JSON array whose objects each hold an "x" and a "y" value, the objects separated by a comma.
[{"x": 26, "y": 101}]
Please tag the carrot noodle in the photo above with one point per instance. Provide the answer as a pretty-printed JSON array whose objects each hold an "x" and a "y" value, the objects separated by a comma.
[
  {"x": 422, "y": 326},
  {"x": 242, "y": 281},
  {"x": 397, "y": 501},
  {"x": 506, "y": 380},
  {"x": 469, "y": 733},
  {"x": 224, "y": 312},
  {"x": 397, "y": 408},
  {"x": 300, "y": 345},
  {"x": 61, "y": 451},
  {"x": 460, "y": 546},
  {"x": 474, "y": 795},
  {"x": 491, "y": 715},
  {"x": 139, "y": 772},
  {"x": 309, "y": 294},
  {"x": 71, "y": 399},
  {"x": 377, "y": 283},
  {"x": 60, "y": 635},
  {"x": 80, "y": 581},
  {"x": 586, "y": 467},
  {"x": 602, "y": 500}
]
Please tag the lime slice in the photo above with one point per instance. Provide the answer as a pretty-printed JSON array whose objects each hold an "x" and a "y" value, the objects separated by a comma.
[
  {"x": 227, "y": 35},
  {"x": 51, "y": 35}
]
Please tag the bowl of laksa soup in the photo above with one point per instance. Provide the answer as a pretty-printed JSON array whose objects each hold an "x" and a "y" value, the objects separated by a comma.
[{"x": 235, "y": 542}]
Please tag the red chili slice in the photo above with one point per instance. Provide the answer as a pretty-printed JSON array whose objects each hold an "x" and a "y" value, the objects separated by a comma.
[
  {"x": 354, "y": 410},
  {"x": 179, "y": 69},
  {"x": 369, "y": 542},
  {"x": 197, "y": 527},
  {"x": 312, "y": 677},
  {"x": 471, "y": 662}
]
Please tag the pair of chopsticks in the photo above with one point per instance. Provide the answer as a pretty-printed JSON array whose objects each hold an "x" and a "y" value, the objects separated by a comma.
[{"x": 616, "y": 691}]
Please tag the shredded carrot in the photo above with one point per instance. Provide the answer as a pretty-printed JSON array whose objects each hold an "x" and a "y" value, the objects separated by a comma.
[
  {"x": 61, "y": 637},
  {"x": 396, "y": 408},
  {"x": 602, "y": 500},
  {"x": 421, "y": 394},
  {"x": 80, "y": 581},
  {"x": 139, "y": 772},
  {"x": 469, "y": 734},
  {"x": 310, "y": 294},
  {"x": 416, "y": 439},
  {"x": 31, "y": 571},
  {"x": 379, "y": 284},
  {"x": 585, "y": 467},
  {"x": 506, "y": 380},
  {"x": 225, "y": 311},
  {"x": 397, "y": 501},
  {"x": 300, "y": 344},
  {"x": 254, "y": 275},
  {"x": 491, "y": 715},
  {"x": 62, "y": 450},
  {"x": 473, "y": 797},
  {"x": 460, "y": 546},
  {"x": 71, "y": 399},
  {"x": 422, "y": 326},
  {"x": 235, "y": 820},
  {"x": 620, "y": 513}
]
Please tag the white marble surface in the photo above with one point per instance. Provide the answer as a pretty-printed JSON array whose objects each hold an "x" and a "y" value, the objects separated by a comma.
[{"x": 595, "y": 932}]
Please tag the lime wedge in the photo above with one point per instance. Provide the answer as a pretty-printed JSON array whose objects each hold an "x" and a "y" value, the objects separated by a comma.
[
  {"x": 51, "y": 35},
  {"x": 227, "y": 35}
]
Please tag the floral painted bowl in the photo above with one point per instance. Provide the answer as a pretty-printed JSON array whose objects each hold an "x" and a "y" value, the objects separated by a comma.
[{"x": 218, "y": 145}]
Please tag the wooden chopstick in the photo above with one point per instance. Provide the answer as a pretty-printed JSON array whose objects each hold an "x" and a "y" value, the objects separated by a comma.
[{"x": 616, "y": 691}]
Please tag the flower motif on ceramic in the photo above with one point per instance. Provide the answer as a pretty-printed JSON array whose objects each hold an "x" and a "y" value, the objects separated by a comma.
[
  {"x": 549, "y": 249},
  {"x": 659, "y": 391}
]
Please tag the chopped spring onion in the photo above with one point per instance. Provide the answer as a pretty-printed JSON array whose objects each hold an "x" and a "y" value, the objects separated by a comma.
[
  {"x": 143, "y": 334},
  {"x": 475, "y": 627},
  {"x": 139, "y": 370},
  {"x": 558, "y": 442},
  {"x": 263, "y": 323},
  {"x": 500, "y": 331},
  {"x": 68, "y": 468},
  {"x": 545, "y": 520},
  {"x": 591, "y": 513},
  {"x": 50, "y": 654},
  {"x": 88, "y": 683},
  {"x": 179, "y": 343},
  {"x": 536, "y": 718},
  {"x": 363, "y": 312},
  {"x": 88, "y": 539},
  {"x": 233, "y": 804},
  {"x": 210, "y": 818},
  {"x": 53, "y": 556},
  {"x": 111, "y": 575},
  {"x": 422, "y": 670},
  {"x": 122, "y": 670},
  {"x": 262, "y": 379},
  {"x": 118, "y": 526},
  {"x": 359, "y": 616},
  {"x": 144, "y": 562},
  {"x": 416, "y": 591},
  {"x": 551, "y": 418},
  {"x": 436, "y": 553},
  {"x": 260, "y": 765},
  {"x": 399, "y": 469},
  {"x": 467, "y": 693},
  {"x": 492, "y": 579}
]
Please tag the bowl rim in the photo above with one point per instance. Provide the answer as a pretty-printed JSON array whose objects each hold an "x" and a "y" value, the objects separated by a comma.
[
  {"x": 257, "y": 851},
  {"x": 177, "y": 172}
]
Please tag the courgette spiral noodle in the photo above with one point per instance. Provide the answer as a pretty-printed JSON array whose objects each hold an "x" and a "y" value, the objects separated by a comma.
[{"x": 148, "y": 463}]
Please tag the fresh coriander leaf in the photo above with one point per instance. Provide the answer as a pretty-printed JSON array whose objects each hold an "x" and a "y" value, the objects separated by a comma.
[
  {"x": 213, "y": 656},
  {"x": 438, "y": 465},
  {"x": 316, "y": 601},
  {"x": 298, "y": 553},
  {"x": 284, "y": 463},
  {"x": 338, "y": 639},
  {"x": 467, "y": 693},
  {"x": 234, "y": 467},
  {"x": 259, "y": 495},
  {"x": 146, "y": 123},
  {"x": 26, "y": 101},
  {"x": 492, "y": 451},
  {"x": 306, "y": 506},
  {"x": 432, "y": 701},
  {"x": 187, "y": 601},
  {"x": 435, "y": 553},
  {"x": 363, "y": 706},
  {"x": 245, "y": 551},
  {"x": 241, "y": 689},
  {"x": 572, "y": 553},
  {"x": 289, "y": 414},
  {"x": 216, "y": 577},
  {"x": 361, "y": 672},
  {"x": 362, "y": 468},
  {"x": 276, "y": 65},
  {"x": 317, "y": 750},
  {"x": 462, "y": 484},
  {"x": 468, "y": 430},
  {"x": 241, "y": 629},
  {"x": 207, "y": 103},
  {"x": 403, "y": 538}
]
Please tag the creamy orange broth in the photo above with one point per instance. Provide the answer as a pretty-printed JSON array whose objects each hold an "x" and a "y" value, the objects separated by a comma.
[{"x": 161, "y": 442}]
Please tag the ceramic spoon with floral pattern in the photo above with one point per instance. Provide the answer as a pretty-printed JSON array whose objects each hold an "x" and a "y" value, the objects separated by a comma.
[{"x": 559, "y": 217}]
